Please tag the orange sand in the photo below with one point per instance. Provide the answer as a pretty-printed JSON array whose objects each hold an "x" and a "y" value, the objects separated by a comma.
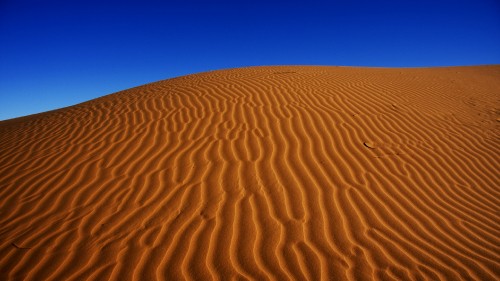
[{"x": 261, "y": 173}]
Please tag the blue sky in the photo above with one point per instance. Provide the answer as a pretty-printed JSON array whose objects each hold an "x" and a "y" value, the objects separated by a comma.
[{"x": 58, "y": 53}]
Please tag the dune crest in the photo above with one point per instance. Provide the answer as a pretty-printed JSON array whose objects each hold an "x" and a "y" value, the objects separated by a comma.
[{"x": 260, "y": 173}]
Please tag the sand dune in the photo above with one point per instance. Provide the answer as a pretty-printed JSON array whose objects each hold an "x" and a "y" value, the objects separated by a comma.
[{"x": 261, "y": 173}]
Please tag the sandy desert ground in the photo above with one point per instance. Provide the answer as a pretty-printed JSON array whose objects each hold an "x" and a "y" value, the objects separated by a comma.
[{"x": 260, "y": 173}]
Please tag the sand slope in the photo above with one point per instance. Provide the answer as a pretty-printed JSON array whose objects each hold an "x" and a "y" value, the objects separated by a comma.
[{"x": 262, "y": 173}]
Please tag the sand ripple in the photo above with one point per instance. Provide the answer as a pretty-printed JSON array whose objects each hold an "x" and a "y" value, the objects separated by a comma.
[{"x": 262, "y": 173}]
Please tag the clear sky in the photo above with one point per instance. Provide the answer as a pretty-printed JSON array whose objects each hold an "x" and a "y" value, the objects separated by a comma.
[{"x": 58, "y": 53}]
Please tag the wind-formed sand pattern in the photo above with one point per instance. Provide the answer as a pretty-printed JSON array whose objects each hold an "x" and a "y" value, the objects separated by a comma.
[{"x": 260, "y": 173}]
